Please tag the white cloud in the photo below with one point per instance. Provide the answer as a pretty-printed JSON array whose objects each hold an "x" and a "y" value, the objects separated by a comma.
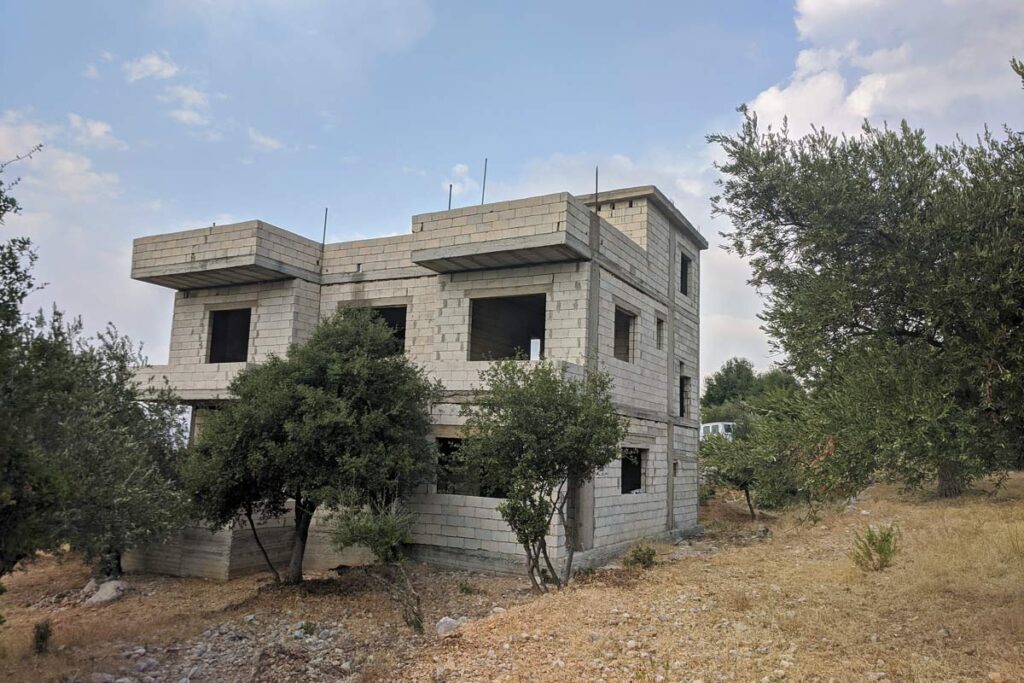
[
  {"x": 156, "y": 65},
  {"x": 460, "y": 181},
  {"x": 92, "y": 133},
  {"x": 56, "y": 172},
  {"x": 189, "y": 117},
  {"x": 942, "y": 66},
  {"x": 263, "y": 143},
  {"x": 190, "y": 103},
  {"x": 91, "y": 72}
]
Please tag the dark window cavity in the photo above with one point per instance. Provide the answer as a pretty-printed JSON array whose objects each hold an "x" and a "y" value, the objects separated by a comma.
[
  {"x": 394, "y": 316},
  {"x": 624, "y": 324},
  {"x": 229, "y": 335},
  {"x": 633, "y": 462},
  {"x": 459, "y": 477},
  {"x": 507, "y": 327},
  {"x": 684, "y": 274},
  {"x": 660, "y": 338},
  {"x": 684, "y": 392}
]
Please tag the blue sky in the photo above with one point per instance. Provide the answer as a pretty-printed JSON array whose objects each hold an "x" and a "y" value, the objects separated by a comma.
[{"x": 161, "y": 116}]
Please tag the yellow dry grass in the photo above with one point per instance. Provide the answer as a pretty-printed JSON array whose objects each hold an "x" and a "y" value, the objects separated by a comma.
[
  {"x": 795, "y": 607},
  {"x": 792, "y": 607}
]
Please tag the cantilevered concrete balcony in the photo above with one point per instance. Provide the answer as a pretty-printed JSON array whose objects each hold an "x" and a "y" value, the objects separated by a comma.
[
  {"x": 549, "y": 229},
  {"x": 234, "y": 254},
  {"x": 191, "y": 383}
]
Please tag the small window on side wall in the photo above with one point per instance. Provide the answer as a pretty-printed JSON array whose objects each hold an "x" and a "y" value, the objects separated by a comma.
[
  {"x": 229, "y": 335},
  {"x": 684, "y": 391},
  {"x": 660, "y": 334},
  {"x": 634, "y": 460},
  {"x": 684, "y": 274},
  {"x": 624, "y": 323}
]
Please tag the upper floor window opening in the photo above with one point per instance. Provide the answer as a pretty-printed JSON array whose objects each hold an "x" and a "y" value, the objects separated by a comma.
[
  {"x": 229, "y": 335},
  {"x": 507, "y": 327}
]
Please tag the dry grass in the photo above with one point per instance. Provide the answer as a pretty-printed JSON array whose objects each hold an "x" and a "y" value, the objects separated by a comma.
[
  {"x": 739, "y": 605},
  {"x": 794, "y": 607}
]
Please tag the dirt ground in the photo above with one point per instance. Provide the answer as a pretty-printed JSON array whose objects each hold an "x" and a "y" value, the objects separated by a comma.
[{"x": 775, "y": 599}]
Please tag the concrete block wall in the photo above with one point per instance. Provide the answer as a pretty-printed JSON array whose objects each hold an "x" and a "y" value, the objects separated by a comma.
[
  {"x": 627, "y": 517},
  {"x": 271, "y": 328},
  {"x": 636, "y": 258},
  {"x": 438, "y": 313},
  {"x": 501, "y": 220},
  {"x": 204, "y": 244},
  {"x": 641, "y": 381}
]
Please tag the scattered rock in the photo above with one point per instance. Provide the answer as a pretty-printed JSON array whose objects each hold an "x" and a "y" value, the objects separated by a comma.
[
  {"x": 148, "y": 664},
  {"x": 447, "y": 625},
  {"x": 108, "y": 592},
  {"x": 498, "y": 610},
  {"x": 102, "y": 678},
  {"x": 996, "y": 677},
  {"x": 90, "y": 588}
]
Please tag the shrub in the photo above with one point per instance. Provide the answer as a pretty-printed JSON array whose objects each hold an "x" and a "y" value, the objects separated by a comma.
[
  {"x": 41, "y": 634},
  {"x": 874, "y": 551},
  {"x": 384, "y": 529},
  {"x": 640, "y": 555},
  {"x": 466, "y": 588}
]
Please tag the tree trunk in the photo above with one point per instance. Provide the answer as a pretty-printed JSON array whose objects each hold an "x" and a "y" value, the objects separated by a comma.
[
  {"x": 753, "y": 515},
  {"x": 569, "y": 527},
  {"x": 551, "y": 568},
  {"x": 266, "y": 557},
  {"x": 110, "y": 564},
  {"x": 532, "y": 569},
  {"x": 303, "y": 517},
  {"x": 951, "y": 480}
]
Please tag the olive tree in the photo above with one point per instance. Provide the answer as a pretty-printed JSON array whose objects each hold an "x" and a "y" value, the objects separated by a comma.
[
  {"x": 342, "y": 420},
  {"x": 539, "y": 434},
  {"x": 883, "y": 258}
]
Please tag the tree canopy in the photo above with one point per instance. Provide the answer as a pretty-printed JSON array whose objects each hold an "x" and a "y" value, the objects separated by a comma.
[
  {"x": 342, "y": 420},
  {"x": 538, "y": 434},
  {"x": 893, "y": 276},
  {"x": 87, "y": 456}
]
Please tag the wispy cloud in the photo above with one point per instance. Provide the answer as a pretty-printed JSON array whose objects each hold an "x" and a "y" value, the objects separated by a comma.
[
  {"x": 156, "y": 65},
  {"x": 263, "y": 143},
  {"x": 460, "y": 181},
  {"x": 191, "y": 104},
  {"x": 91, "y": 72},
  {"x": 93, "y": 133}
]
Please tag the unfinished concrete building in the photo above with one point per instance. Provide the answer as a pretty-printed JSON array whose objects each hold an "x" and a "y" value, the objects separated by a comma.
[{"x": 610, "y": 280}]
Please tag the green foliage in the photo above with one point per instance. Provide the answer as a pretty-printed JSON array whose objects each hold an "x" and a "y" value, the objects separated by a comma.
[
  {"x": 343, "y": 421},
  {"x": 85, "y": 459},
  {"x": 466, "y": 588},
  {"x": 641, "y": 555},
  {"x": 733, "y": 392},
  {"x": 783, "y": 458},
  {"x": 42, "y": 632},
  {"x": 733, "y": 382},
  {"x": 309, "y": 627},
  {"x": 382, "y": 529},
  {"x": 875, "y": 550},
  {"x": 539, "y": 434},
  {"x": 892, "y": 274}
]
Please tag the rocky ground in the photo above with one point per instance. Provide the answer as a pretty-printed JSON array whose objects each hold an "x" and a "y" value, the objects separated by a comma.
[{"x": 771, "y": 600}]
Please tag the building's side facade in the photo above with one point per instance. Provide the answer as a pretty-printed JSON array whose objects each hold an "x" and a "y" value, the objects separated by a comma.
[{"x": 610, "y": 281}]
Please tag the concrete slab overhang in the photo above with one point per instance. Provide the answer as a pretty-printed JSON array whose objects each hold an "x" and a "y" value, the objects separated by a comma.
[
  {"x": 235, "y": 254},
  {"x": 552, "y": 247}
]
